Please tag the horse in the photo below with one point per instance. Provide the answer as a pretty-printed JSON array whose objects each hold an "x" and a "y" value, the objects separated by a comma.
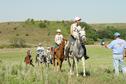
[
  {"x": 76, "y": 52},
  {"x": 41, "y": 57},
  {"x": 59, "y": 55},
  {"x": 48, "y": 56}
]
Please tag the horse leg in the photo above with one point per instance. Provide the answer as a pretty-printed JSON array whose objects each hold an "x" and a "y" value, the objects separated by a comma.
[
  {"x": 83, "y": 61},
  {"x": 76, "y": 66},
  {"x": 69, "y": 62},
  {"x": 61, "y": 61},
  {"x": 53, "y": 60},
  {"x": 58, "y": 64},
  {"x": 71, "y": 65}
]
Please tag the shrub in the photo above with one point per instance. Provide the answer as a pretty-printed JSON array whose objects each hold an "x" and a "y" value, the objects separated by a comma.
[
  {"x": 17, "y": 34},
  {"x": 0, "y": 61},
  {"x": 8, "y": 23},
  {"x": 109, "y": 31},
  {"x": 42, "y": 25},
  {"x": 32, "y": 21},
  {"x": 27, "y": 21},
  {"x": 17, "y": 42},
  {"x": 26, "y": 34},
  {"x": 90, "y": 32},
  {"x": 89, "y": 41},
  {"x": 46, "y": 21},
  {"x": 15, "y": 28}
]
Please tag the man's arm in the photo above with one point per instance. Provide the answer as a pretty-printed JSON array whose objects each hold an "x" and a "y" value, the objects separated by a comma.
[{"x": 105, "y": 45}]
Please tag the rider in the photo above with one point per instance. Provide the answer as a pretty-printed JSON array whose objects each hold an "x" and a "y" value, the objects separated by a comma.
[
  {"x": 58, "y": 38},
  {"x": 39, "y": 50},
  {"x": 75, "y": 28}
]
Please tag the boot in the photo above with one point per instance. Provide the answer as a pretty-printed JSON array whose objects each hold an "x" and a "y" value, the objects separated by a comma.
[
  {"x": 85, "y": 52},
  {"x": 86, "y": 57}
]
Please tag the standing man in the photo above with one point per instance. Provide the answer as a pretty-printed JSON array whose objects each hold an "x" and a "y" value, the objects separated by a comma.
[
  {"x": 118, "y": 47},
  {"x": 74, "y": 29}
]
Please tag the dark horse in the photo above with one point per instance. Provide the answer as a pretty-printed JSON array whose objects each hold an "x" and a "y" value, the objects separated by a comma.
[{"x": 59, "y": 55}]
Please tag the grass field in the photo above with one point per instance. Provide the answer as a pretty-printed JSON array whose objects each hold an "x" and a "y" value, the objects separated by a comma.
[{"x": 99, "y": 69}]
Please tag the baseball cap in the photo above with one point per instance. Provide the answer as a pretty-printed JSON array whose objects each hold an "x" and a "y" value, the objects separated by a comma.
[{"x": 117, "y": 34}]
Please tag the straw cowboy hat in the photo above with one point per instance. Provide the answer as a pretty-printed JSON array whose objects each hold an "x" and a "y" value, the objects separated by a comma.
[{"x": 58, "y": 30}]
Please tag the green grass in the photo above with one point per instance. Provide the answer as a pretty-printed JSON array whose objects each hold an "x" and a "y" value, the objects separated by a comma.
[{"x": 99, "y": 67}]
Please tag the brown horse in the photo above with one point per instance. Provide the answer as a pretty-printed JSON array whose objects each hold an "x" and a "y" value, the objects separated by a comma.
[{"x": 59, "y": 55}]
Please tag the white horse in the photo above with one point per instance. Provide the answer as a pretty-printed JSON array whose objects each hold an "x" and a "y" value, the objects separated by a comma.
[
  {"x": 48, "y": 56},
  {"x": 41, "y": 57},
  {"x": 44, "y": 56},
  {"x": 76, "y": 52}
]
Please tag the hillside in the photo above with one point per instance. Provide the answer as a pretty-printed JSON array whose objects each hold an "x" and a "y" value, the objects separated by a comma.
[
  {"x": 103, "y": 26},
  {"x": 33, "y": 32}
]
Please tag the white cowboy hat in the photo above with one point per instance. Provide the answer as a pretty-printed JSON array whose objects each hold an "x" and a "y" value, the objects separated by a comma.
[
  {"x": 58, "y": 30},
  {"x": 77, "y": 18}
]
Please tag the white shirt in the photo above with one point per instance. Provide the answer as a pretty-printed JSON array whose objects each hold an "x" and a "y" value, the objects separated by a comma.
[
  {"x": 40, "y": 50},
  {"x": 58, "y": 38},
  {"x": 118, "y": 45},
  {"x": 75, "y": 29}
]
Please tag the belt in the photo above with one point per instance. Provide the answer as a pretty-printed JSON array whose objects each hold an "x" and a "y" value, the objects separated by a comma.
[{"x": 117, "y": 53}]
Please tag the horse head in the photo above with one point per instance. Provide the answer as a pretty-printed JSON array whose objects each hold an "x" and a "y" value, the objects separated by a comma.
[
  {"x": 82, "y": 35},
  {"x": 63, "y": 43}
]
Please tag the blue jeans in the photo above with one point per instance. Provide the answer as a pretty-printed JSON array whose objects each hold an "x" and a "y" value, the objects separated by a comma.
[{"x": 118, "y": 64}]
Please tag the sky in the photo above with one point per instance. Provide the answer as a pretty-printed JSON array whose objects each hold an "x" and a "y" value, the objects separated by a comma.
[{"x": 91, "y": 11}]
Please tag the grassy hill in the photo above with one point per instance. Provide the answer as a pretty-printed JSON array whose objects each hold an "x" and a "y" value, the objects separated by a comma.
[
  {"x": 33, "y": 32},
  {"x": 105, "y": 25}
]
